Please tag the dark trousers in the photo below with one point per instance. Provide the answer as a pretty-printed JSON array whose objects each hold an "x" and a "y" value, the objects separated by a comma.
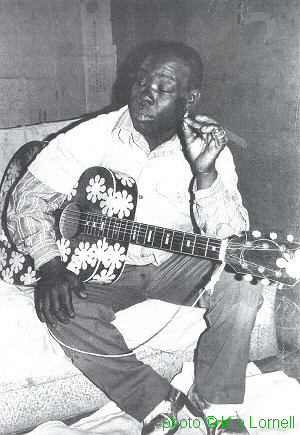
[{"x": 222, "y": 352}]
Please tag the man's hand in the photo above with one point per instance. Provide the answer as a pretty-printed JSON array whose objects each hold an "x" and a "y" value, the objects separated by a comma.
[
  {"x": 53, "y": 293},
  {"x": 203, "y": 147}
]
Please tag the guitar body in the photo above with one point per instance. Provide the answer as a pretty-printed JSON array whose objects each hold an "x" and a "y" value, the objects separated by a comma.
[{"x": 99, "y": 191}]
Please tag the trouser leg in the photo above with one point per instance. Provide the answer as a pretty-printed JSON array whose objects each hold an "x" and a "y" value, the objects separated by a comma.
[
  {"x": 134, "y": 386},
  {"x": 223, "y": 350}
]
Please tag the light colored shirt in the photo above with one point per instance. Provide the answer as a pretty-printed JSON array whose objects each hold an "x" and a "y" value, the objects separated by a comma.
[{"x": 163, "y": 178}]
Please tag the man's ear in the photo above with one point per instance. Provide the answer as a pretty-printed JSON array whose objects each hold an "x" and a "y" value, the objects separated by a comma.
[{"x": 193, "y": 98}]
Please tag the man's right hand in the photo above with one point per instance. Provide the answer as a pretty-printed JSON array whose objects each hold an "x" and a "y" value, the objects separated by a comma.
[{"x": 53, "y": 293}]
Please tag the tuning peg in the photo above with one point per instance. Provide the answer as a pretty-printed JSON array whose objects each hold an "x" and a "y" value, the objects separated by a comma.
[
  {"x": 273, "y": 236},
  {"x": 290, "y": 238},
  {"x": 265, "y": 281},
  {"x": 256, "y": 233},
  {"x": 248, "y": 277}
]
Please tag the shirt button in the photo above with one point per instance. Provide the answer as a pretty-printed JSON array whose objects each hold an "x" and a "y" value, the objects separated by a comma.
[{"x": 141, "y": 196}]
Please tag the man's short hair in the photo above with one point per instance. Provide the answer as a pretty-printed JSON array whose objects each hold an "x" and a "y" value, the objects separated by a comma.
[{"x": 181, "y": 51}]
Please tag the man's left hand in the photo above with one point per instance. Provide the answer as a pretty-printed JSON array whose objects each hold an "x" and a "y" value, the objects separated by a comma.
[{"x": 202, "y": 145}]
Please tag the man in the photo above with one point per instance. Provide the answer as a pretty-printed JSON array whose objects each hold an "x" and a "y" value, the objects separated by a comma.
[{"x": 166, "y": 150}]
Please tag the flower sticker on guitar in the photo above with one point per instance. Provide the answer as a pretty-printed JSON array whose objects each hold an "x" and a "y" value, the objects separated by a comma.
[
  {"x": 96, "y": 188},
  {"x": 3, "y": 257},
  {"x": 16, "y": 261},
  {"x": 64, "y": 248},
  {"x": 73, "y": 192},
  {"x": 7, "y": 275},
  {"x": 81, "y": 258},
  {"x": 123, "y": 204},
  {"x": 125, "y": 179},
  {"x": 28, "y": 277},
  {"x": 106, "y": 276},
  {"x": 116, "y": 255},
  {"x": 4, "y": 239}
]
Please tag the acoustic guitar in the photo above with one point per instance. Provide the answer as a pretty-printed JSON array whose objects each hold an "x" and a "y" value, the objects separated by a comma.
[{"x": 95, "y": 226}]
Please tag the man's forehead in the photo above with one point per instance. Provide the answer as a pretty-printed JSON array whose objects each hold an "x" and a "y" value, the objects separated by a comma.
[{"x": 168, "y": 66}]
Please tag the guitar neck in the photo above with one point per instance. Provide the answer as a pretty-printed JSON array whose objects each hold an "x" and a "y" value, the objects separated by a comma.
[{"x": 153, "y": 236}]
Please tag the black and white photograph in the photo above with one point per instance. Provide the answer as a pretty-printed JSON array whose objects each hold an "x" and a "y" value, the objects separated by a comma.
[{"x": 150, "y": 217}]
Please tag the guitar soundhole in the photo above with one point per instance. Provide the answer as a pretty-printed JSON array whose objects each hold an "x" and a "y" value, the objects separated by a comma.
[{"x": 69, "y": 223}]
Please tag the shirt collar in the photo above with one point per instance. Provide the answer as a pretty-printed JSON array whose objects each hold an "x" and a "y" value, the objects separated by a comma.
[{"x": 124, "y": 129}]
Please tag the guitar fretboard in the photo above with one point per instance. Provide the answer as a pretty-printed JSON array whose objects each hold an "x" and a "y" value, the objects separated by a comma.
[{"x": 150, "y": 236}]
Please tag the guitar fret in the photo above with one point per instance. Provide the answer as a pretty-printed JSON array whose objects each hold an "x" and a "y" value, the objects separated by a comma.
[
  {"x": 148, "y": 235},
  {"x": 206, "y": 247}
]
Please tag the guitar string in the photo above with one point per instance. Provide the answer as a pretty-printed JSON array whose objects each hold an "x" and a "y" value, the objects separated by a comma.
[
  {"x": 237, "y": 259},
  {"x": 134, "y": 223},
  {"x": 126, "y": 222},
  {"x": 97, "y": 224},
  {"x": 142, "y": 233}
]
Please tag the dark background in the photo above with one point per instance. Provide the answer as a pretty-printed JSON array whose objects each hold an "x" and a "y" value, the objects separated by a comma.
[{"x": 250, "y": 51}]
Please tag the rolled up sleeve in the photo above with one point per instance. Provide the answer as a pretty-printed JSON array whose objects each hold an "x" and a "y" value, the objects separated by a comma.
[
  {"x": 30, "y": 221},
  {"x": 218, "y": 210}
]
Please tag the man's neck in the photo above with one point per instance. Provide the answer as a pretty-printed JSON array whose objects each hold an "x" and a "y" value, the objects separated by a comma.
[{"x": 154, "y": 141}]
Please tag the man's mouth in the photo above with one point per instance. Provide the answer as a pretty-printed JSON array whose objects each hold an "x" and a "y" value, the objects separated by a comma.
[{"x": 141, "y": 113}]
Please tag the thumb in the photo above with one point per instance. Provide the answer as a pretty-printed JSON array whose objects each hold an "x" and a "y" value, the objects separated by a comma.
[{"x": 77, "y": 286}]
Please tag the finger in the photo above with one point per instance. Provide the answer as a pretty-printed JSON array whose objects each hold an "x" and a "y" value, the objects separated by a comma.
[
  {"x": 80, "y": 290},
  {"x": 57, "y": 310},
  {"x": 67, "y": 304},
  {"x": 188, "y": 134},
  {"x": 204, "y": 119},
  {"x": 192, "y": 123},
  {"x": 49, "y": 318}
]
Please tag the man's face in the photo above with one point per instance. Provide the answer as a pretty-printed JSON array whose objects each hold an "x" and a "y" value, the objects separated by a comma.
[{"x": 159, "y": 95}]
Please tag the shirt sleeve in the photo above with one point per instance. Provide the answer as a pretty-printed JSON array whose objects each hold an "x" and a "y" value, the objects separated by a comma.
[
  {"x": 218, "y": 210},
  {"x": 30, "y": 221}
]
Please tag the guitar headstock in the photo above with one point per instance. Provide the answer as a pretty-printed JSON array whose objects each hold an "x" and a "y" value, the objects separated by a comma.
[{"x": 265, "y": 257}]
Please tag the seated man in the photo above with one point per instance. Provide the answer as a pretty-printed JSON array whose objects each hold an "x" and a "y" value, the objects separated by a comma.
[{"x": 156, "y": 141}]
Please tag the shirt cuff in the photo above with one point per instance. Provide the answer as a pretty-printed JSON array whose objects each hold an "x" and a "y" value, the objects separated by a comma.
[
  {"x": 211, "y": 194},
  {"x": 43, "y": 252}
]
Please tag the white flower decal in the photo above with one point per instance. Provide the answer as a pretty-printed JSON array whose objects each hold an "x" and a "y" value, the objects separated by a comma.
[
  {"x": 116, "y": 255},
  {"x": 13, "y": 170},
  {"x": 107, "y": 202},
  {"x": 82, "y": 256},
  {"x": 96, "y": 188},
  {"x": 125, "y": 179},
  {"x": 73, "y": 192},
  {"x": 7, "y": 275},
  {"x": 28, "y": 277},
  {"x": 123, "y": 204},
  {"x": 74, "y": 267},
  {"x": 4, "y": 239},
  {"x": 100, "y": 251},
  {"x": 106, "y": 276},
  {"x": 16, "y": 261},
  {"x": 3, "y": 257},
  {"x": 64, "y": 249}
]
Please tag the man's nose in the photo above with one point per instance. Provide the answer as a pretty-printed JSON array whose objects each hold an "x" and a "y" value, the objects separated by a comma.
[{"x": 146, "y": 95}]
